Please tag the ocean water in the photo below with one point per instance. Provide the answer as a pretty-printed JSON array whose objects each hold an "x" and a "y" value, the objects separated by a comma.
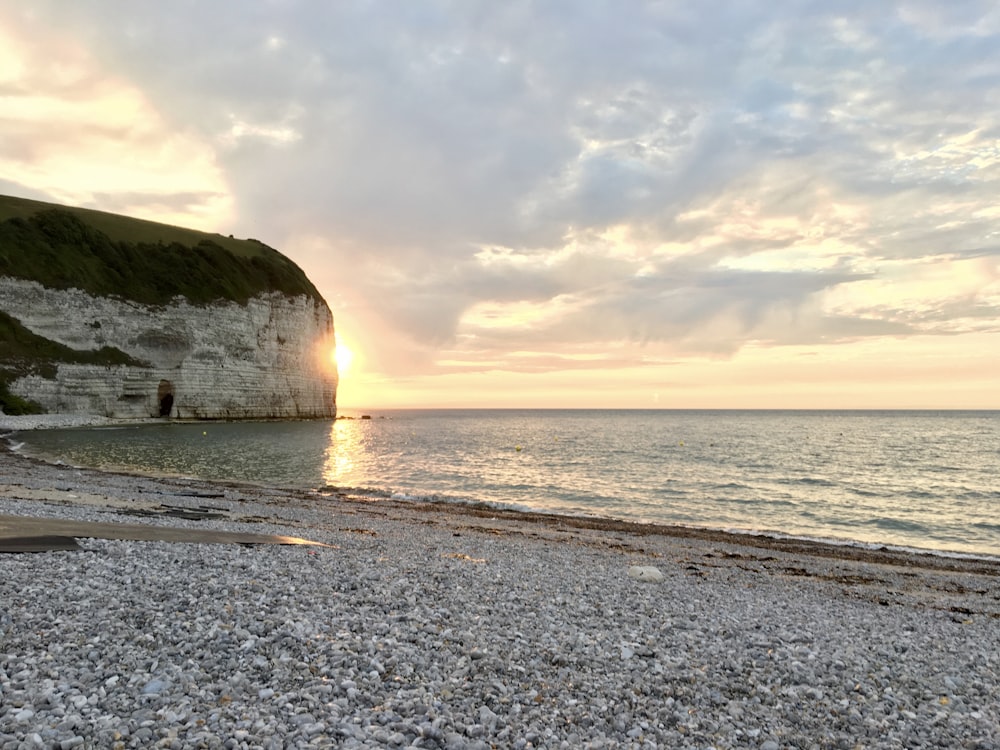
[{"x": 927, "y": 480}]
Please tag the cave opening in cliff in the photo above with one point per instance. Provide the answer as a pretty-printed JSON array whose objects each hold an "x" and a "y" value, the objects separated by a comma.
[{"x": 165, "y": 395}]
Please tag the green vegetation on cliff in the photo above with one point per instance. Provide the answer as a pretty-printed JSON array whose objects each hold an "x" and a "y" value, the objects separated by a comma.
[
  {"x": 25, "y": 353},
  {"x": 109, "y": 255}
]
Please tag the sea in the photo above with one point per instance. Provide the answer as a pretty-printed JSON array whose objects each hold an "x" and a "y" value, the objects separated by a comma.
[{"x": 910, "y": 479}]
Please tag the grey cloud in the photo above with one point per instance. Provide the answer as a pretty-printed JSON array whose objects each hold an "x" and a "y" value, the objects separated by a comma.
[
  {"x": 543, "y": 363},
  {"x": 124, "y": 202},
  {"x": 676, "y": 305},
  {"x": 683, "y": 302},
  {"x": 431, "y": 303},
  {"x": 9, "y": 187},
  {"x": 968, "y": 312},
  {"x": 990, "y": 251},
  {"x": 427, "y": 130}
]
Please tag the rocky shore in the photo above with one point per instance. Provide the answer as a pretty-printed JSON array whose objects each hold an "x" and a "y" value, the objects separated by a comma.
[
  {"x": 12, "y": 423},
  {"x": 445, "y": 627}
]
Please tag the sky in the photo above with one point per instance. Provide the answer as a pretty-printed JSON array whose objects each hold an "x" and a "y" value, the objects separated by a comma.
[{"x": 563, "y": 203}]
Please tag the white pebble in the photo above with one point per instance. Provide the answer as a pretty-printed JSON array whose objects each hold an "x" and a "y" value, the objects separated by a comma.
[{"x": 645, "y": 573}]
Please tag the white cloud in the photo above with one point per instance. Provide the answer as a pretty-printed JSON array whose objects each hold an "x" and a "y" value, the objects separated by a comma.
[
  {"x": 75, "y": 133},
  {"x": 479, "y": 178}
]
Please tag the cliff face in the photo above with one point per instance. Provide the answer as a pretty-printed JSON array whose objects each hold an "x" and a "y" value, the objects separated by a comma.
[
  {"x": 269, "y": 357},
  {"x": 110, "y": 315}
]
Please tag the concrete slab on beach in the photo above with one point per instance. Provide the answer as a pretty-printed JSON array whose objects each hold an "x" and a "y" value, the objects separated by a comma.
[{"x": 32, "y": 534}]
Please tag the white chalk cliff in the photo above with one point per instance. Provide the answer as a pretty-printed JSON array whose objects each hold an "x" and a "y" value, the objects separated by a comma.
[{"x": 268, "y": 358}]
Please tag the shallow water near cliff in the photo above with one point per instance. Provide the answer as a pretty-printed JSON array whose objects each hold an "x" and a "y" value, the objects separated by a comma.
[{"x": 914, "y": 479}]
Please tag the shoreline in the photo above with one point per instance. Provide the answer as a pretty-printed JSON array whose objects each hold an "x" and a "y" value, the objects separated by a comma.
[
  {"x": 27, "y": 422},
  {"x": 465, "y": 514},
  {"x": 429, "y": 626},
  {"x": 836, "y": 548}
]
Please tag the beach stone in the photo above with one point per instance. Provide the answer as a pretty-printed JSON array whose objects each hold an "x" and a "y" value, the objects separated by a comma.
[
  {"x": 645, "y": 573},
  {"x": 154, "y": 687},
  {"x": 571, "y": 653},
  {"x": 311, "y": 730}
]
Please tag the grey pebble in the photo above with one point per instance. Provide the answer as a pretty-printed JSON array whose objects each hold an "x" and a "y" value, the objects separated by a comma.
[
  {"x": 154, "y": 687},
  {"x": 410, "y": 636}
]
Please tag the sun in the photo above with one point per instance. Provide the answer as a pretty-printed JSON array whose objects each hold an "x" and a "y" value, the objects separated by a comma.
[{"x": 343, "y": 356}]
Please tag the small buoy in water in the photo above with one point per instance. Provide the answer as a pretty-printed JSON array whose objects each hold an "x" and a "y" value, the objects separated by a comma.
[{"x": 204, "y": 433}]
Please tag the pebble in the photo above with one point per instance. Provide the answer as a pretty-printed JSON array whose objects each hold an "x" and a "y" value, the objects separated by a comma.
[
  {"x": 411, "y": 636},
  {"x": 645, "y": 573},
  {"x": 154, "y": 687}
]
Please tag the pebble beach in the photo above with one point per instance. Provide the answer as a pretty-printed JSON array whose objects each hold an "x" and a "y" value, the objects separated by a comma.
[{"x": 416, "y": 625}]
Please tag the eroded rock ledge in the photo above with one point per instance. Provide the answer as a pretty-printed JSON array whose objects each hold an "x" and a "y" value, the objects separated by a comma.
[{"x": 268, "y": 358}]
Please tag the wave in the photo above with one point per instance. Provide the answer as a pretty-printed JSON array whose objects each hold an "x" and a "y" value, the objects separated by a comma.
[
  {"x": 417, "y": 498},
  {"x": 808, "y": 481},
  {"x": 984, "y": 526},
  {"x": 731, "y": 486},
  {"x": 895, "y": 524},
  {"x": 978, "y": 495}
]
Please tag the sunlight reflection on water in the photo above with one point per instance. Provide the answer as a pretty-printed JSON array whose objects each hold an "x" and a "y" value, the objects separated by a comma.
[{"x": 343, "y": 451}]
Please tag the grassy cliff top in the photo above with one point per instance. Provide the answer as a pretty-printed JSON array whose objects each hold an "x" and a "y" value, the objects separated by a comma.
[
  {"x": 106, "y": 254},
  {"x": 127, "y": 229}
]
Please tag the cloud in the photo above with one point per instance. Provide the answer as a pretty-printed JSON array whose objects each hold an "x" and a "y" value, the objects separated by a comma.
[
  {"x": 484, "y": 178},
  {"x": 76, "y": 133}
]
